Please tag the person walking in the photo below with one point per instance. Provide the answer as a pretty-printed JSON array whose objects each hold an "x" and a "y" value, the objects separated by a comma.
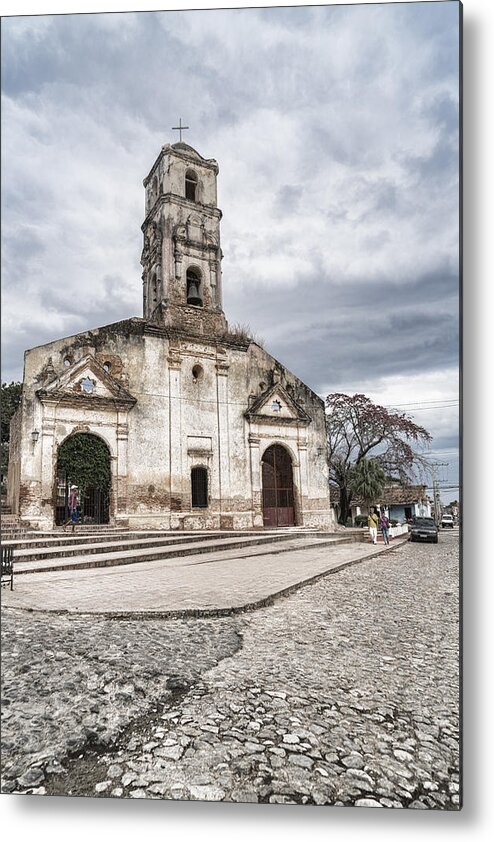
[
  {"x": 384, "y": 524},
  {"x": 372, "y": 523},
  {"x": 72, "y": 504}
]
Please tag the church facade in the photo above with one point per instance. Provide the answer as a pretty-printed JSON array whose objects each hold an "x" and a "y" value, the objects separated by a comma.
[{"x": 201, "y": 427}]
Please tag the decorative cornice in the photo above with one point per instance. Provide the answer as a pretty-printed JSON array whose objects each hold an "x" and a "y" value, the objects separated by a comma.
[
  {"x": 79, "y": 400},
  {"x": 169, "y": 198},
  {"x": 174, "y": 362},
  {"x": 277, "y": 421},
  {"x": 199, "y": 452}
]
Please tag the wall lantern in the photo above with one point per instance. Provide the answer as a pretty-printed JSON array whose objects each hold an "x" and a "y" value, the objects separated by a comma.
[{"x": 35, "y": 436}]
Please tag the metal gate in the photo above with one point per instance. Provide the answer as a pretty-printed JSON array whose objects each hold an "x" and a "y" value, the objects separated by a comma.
[
  {"x": 93, "y": 508},
  {"x": 277, "y": 487}
]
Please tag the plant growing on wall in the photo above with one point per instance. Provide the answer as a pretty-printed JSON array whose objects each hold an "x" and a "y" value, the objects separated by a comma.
[{"x": 86, "y": 461}]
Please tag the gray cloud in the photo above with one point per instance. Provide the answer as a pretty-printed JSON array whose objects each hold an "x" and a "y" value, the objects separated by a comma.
[{"x": 336, "y": 131}]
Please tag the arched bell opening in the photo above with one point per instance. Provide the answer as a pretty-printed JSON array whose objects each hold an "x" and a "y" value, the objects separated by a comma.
[
  {"x": 83, "y": 461},
  {"x": 278, "y": 504},
  {"x": 194, "y": 294}
]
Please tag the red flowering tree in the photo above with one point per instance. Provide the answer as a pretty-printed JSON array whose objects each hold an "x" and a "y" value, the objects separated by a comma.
[{"x": 359, "y": 429}]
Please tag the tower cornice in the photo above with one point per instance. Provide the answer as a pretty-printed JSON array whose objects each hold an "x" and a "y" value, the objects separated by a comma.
[{"x": 173, "y": 198}]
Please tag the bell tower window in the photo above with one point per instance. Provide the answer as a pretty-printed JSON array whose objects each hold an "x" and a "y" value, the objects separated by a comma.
[
  {"x": 191, "y": 186},
  {"x": 194, "y": 287}
]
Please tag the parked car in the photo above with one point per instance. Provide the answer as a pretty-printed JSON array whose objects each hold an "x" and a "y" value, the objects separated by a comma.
[
  {"x": 447, "y": 520},
  {"x": 424, "y": 529}
]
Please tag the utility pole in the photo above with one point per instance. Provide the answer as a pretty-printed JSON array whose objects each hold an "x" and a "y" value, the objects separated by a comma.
[{"x": 435, "y": 489}]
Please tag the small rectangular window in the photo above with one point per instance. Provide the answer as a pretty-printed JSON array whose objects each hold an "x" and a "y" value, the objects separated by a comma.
[{"x": 199, "y": 482}]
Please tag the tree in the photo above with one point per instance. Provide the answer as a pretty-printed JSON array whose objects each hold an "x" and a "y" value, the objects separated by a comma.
[
  {"x": 11, "y": 398},
  {"x": 367, "y": 480},
  {"x": 357, "y": 429}
]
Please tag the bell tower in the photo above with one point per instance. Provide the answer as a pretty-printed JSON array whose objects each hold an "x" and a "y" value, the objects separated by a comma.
[{"x": 181, "y": 258}]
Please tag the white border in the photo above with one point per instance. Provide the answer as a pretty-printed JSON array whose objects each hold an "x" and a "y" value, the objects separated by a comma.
[{"x": 64, "y": 819}]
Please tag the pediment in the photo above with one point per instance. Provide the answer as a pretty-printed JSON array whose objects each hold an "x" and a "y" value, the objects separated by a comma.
[
  {"x": 87, "y": 382},
  {"x": 277, "y": 405}
]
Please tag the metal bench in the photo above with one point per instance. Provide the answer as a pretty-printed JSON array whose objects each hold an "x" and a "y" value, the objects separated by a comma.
[{"x": 8, "y": 566}]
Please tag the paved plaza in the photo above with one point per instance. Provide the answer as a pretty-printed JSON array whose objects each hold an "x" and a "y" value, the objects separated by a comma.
[
  {"x": 343, "y": 692},
  {"x": 221, "y": 581}
]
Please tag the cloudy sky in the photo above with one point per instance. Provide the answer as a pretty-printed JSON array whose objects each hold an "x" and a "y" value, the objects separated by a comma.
[{"x": 336, "y": 132}]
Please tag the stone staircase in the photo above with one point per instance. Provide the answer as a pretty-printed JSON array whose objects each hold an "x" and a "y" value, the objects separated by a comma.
[
  {"x": 10, "y": 524},
  {"x": 90, "y": 547}
]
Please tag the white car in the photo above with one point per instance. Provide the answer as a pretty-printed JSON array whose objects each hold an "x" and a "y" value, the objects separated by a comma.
[{"x": 447, "y": 520}]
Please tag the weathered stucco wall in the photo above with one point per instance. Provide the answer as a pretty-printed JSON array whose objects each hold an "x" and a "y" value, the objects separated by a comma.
[{"x": 190, "y": 397}]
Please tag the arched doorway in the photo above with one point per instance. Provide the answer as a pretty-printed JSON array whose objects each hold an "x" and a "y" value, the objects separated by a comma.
[
  {"x": 84, "y": 460},
  {"x": 277, "y": 487}
]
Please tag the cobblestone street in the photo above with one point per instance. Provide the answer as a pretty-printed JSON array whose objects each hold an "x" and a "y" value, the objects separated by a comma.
[{"x": 344, "y": 693}]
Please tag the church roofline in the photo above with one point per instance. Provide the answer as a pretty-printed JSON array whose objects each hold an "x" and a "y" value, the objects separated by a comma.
[{"x": 132, "y": 325}]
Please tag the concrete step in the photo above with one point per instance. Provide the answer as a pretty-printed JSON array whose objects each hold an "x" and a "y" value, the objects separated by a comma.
[
  {"x": 56, "y": 538},
  {"x": 14, "y": 531},
  {"x": 55, "y": 543},
  {"x": 47, "y": 541},
  {"x": 101, "y": 527},
  {"x": 14, "y": 527},
  {"x": 244, "y": 544},
  {"x": 68, "y": 546},
  {"x": 11, "y": 536}
]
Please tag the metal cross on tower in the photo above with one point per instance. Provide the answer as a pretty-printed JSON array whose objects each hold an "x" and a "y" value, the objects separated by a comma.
[{"x": 179, "y": 128}]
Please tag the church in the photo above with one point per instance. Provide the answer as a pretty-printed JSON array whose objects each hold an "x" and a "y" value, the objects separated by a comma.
[{"x": 200, "y": 427}]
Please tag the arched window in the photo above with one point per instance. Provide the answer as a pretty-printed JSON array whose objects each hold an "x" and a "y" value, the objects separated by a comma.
[
  {"x": 199, "y": 483},
  {"x": 191, "y": 185},
  {"x": 194, "y": 295}
]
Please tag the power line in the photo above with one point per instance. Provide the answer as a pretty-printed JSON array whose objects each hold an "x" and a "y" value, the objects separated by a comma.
[
  {"x": 421, "y": 402},
  {"x": 452, "y": 449},
  {"x": 425, "y": 408}
]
